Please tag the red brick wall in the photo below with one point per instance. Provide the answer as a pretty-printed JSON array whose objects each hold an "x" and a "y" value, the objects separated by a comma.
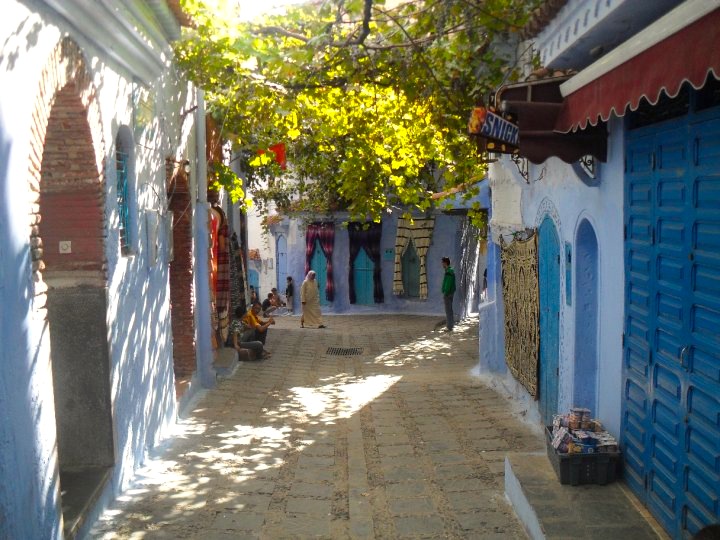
[
  {"x": 65, "y": 169},
  {"x": 71, "y": 198},
  {"x": 181, "y": 275}
]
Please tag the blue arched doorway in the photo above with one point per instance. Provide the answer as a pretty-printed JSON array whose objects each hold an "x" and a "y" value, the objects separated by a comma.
[
  {"x": 549, "y": 282},
  {"x": 586, "y": 318}
]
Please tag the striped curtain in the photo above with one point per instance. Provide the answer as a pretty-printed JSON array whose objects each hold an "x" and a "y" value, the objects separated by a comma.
[
  {"x": 325, "y": 232},
  {"x": 368, "y": 238},
  {"x": 420, "y": 231}
]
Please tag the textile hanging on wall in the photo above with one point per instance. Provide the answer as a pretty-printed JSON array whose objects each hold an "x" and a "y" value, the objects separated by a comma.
[
  {"x": 237, "y": 277},
  {"x": 420, "y": 231},
  {"x": 325, "y": 233},
  {"x": 222, "y": 287},
  {"x": 522, "y": 310},
  {"x": 366, "y": 235},
  {"x": 213, "y": 226}
]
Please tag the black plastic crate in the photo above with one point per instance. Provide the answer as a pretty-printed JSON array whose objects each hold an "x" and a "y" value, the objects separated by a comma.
[{"x": 576, "y": 469}]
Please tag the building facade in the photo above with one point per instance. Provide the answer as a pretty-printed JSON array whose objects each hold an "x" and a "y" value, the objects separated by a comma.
[
  {"x": 100, "y": 139},
  {"x": 616, "y": 187}
]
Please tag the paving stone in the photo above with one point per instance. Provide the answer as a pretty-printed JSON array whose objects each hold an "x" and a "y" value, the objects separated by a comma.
[
  {"x": 403, "y": 474},
  {"x": 482, "y": 520},
  {"x": 427, "y": 526},
  {"x": 455, "y": 470},
  {"x": 305, "y": 505},
  {"x": 306, "y": 489},
  {"x": 314, "y": 475},
  {"x": 238, "y": 521},
  {"x": 419, "y": 505},
  {"x": 407, "y": 489},
  {"x": 396, "y": 450}
]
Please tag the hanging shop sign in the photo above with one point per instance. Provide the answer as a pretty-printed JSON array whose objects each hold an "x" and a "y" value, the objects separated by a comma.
[{"x": 500, "y": 133}]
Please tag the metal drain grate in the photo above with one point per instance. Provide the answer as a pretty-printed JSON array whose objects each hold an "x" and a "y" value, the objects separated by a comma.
[{"x": 344, "y": 351}]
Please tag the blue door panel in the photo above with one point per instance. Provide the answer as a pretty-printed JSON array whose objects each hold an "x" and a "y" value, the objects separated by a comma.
[
  {"x": 254, "y": 281},
  {"x": 549, "y": 282},
  {"x": 363, "y": 269},
  {"x": 411, "y": 271},
  {"x": 319, "y": 264},
  {"x": 671, "y": 409}
]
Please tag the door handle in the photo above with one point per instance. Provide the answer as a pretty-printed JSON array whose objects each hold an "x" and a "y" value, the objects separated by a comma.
[{"x": 683, "y": 357}]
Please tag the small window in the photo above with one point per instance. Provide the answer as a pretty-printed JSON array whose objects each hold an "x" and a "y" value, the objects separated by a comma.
[{"x": 122, "y": 160}]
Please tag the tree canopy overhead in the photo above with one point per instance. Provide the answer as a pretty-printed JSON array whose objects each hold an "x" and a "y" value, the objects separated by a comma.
[{"x": 370, "y": 97}]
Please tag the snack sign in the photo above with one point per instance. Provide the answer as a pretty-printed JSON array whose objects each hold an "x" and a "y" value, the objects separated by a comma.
[{"x": 501, "y": 133}]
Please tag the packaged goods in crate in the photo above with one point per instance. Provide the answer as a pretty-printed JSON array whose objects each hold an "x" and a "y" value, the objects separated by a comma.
[{"x": 581, "y": 451}]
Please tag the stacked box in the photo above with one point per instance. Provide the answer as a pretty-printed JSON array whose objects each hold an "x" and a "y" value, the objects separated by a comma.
[{"x": 583, "y": 468}]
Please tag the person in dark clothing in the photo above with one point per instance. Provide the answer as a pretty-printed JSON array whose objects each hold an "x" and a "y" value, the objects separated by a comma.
[
  {"x": 289, "y": 293},
  {"x": 448, "y": 291},
  {"x": 268, "y": 304}
]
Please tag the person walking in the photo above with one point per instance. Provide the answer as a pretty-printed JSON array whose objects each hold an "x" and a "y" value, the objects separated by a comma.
[
  {"x": 448, "y": 291},
  {"x": 310, "y": 300}
]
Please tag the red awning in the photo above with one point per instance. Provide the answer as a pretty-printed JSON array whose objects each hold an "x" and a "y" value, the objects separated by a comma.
[{"x": 688, "y": 55}]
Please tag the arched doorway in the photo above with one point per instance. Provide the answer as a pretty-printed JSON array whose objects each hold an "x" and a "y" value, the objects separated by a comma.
[
  {"x": 549, "y": 282},
  {"x": 68, "y": 247},
  {"x": 586, "y": 318},
  {"x": 411, "y": 271}
]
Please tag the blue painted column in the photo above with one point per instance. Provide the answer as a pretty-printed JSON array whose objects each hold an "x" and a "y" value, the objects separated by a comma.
[
  {"x": 203, "y": 340},
  {"x": 491, "y": 317}
]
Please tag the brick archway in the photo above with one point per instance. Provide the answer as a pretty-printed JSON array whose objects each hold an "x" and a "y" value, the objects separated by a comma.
[
  {"x": 67, "y": 240},
  {"x": 66, "y": 171}
]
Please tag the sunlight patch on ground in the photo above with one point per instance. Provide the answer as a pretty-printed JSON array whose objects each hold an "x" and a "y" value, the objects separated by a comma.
[
  {"x": 339, "y": 399},
  {"x": 419, "y": 350}
]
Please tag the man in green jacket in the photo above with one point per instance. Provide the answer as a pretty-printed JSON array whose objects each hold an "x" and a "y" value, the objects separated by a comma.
[{"x": 448, "y": 291}]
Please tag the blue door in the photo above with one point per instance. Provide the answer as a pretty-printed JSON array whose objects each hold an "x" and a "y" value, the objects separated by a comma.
[
  {"x": 549, "y": 282},
  {"x": 254, "y": 281},
  {"x": 671, "y": 391},
  {"x": 281, "y": 266},
  {"x": 363, "y": 269},
  {"x": 411, "y": 271},
  {"x": 319, "y": 264}
]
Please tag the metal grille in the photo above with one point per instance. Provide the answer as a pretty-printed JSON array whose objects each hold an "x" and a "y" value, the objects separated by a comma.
[
  {"x": 121, "y": 167},
  {"x": 344, "y": 351}
]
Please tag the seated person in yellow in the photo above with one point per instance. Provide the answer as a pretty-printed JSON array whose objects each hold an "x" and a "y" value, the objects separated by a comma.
[
  {"x": 252, "y": 321},
  {"x": 242, "y": 337}
]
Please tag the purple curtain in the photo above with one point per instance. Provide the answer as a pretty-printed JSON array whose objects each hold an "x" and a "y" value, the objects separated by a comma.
[
  {"x": 325, "y": 232},
  {"x": 368, "y": 238}
]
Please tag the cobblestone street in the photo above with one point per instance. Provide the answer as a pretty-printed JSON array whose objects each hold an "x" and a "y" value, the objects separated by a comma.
[{"x": 372, "y": 428}]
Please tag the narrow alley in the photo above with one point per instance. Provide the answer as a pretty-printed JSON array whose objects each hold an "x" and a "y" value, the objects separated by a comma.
[{"x": 372, "y": 428}]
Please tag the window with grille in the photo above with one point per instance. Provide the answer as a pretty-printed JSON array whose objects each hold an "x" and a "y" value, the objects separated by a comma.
[{"x": 122, "y": 160}]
